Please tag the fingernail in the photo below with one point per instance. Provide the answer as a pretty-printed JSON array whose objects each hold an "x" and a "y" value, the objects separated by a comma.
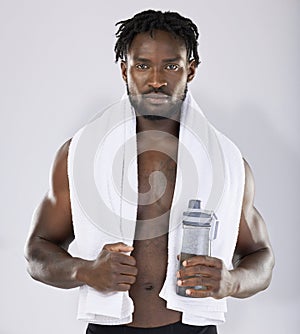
[
  {"x": 179, "y": 282},
  {"x": 188, "y": 292},
  {"x": 184, "y": 263}
]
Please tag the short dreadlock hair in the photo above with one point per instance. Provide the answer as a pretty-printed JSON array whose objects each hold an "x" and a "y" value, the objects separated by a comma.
[{"x": 150, "y": 20}]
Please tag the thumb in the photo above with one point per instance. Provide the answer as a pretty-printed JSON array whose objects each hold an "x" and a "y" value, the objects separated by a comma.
[{"x": 118, "y": 247}]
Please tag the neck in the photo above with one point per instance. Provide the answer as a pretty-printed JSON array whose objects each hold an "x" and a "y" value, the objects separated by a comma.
[{"x": 168, "y": 125}]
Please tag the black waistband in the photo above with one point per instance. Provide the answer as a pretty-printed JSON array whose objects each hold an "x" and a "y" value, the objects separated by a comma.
[{"x": 175, "y": 328}]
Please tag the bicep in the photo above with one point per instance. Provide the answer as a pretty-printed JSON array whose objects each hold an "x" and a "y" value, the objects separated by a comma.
[
  {"x": 52, "y": 220},
  {"x": 253, "y": 234}
]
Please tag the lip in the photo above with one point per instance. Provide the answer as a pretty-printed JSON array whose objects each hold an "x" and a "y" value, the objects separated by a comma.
[{"x": 157, "y": 98}]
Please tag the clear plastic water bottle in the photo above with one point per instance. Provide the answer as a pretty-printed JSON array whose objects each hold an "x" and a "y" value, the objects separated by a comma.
[{"x": 199, "y": 229}]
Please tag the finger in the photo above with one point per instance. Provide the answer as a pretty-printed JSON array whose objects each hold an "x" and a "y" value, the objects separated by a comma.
[
  {"x": 198, "y": 270},
  {"x": 199, "y": 293},
  {"x": 118, "y": 247},
  {"x": 127, "y": 270},
  {"x": 123, "y": 259},
  {"x": 196, "y": 281},
  {"x": 203, "y": 260},
  {"x": 123, "y": 287},
  {"x": 126, "y": 279}
]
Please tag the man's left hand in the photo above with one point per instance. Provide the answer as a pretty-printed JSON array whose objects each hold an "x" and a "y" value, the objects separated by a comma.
[{"x": 206, "y": 271}]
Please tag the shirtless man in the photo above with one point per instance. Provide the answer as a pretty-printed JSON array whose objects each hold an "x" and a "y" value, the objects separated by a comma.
[{"x": 156, "y": 69}]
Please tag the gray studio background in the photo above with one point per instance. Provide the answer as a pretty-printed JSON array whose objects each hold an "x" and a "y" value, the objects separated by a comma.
[{"x": 57, "y": 70}]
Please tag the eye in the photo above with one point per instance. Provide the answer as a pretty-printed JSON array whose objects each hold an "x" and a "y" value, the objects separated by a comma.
[
  {"x": 172, "y": 67},
  {"x": 142, "y": 66}
]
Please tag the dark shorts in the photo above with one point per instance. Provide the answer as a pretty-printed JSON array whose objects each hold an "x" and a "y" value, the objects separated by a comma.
[{"x": 177, "y": 328}]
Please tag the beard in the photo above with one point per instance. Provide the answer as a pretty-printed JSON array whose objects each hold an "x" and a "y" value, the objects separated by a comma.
[
  {"x": 155, "y": 117},
  {"x": 172, "y": 108}
]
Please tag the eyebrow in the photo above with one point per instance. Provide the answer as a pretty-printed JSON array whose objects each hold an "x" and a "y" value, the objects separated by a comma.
[
  {"x": 172, "y": 60},
  {"x": 144, "y": 60},
  {"x": 167, "y": 60}
]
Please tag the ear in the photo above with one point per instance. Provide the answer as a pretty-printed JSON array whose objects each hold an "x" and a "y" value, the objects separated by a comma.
[
  {"x": 124, "y": 70},
  {"x": 191, "y": 70}
]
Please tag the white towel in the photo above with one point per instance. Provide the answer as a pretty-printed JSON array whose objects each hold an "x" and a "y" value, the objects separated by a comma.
[{"x": 102, "y": 168}]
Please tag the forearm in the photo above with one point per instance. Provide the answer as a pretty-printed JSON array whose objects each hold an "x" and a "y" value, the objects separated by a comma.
[
  {"x": 52, "y": 265},
  {"x": 252, "y": 273}
]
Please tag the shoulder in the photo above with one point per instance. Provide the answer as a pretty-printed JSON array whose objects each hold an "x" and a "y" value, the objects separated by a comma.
[
  {"x": 59, "y": 169},
  {"x": 61, "y": 156},
  {"x": 62, "y": 152},
  {"x": 248, "y": 173},
  {"x": 249, "y": 189}
]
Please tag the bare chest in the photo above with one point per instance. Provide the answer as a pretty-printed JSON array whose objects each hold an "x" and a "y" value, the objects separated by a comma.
[
  {"x": 156, "y": 176},
  {"x": 156, "y": 180}
]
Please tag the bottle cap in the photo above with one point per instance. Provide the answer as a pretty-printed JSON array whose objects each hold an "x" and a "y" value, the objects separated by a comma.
[{"x": 194, "y": 204}]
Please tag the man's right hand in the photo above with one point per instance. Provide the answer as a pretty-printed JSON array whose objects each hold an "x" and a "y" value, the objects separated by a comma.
[
  {"x": 112, "y": 270},
  {"x": 52, "y": 232}
]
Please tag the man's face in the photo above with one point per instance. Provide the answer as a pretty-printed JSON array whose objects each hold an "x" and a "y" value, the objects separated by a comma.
[{"x": 156, "y": 73}]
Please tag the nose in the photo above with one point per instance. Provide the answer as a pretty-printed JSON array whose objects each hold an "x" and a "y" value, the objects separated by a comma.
[{"x": 156, "y": 79}]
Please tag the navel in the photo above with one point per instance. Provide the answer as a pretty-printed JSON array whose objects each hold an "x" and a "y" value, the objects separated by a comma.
[{"x": 148, "y": 286}]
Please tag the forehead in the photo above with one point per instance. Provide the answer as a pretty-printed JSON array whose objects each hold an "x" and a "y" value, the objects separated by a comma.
[{"x": 160, "y": 43}]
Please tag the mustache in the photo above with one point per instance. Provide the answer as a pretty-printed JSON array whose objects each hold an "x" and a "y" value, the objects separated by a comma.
[
  {"x": 160, "y": 90},
  {"x": 151, "y": 90}
]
